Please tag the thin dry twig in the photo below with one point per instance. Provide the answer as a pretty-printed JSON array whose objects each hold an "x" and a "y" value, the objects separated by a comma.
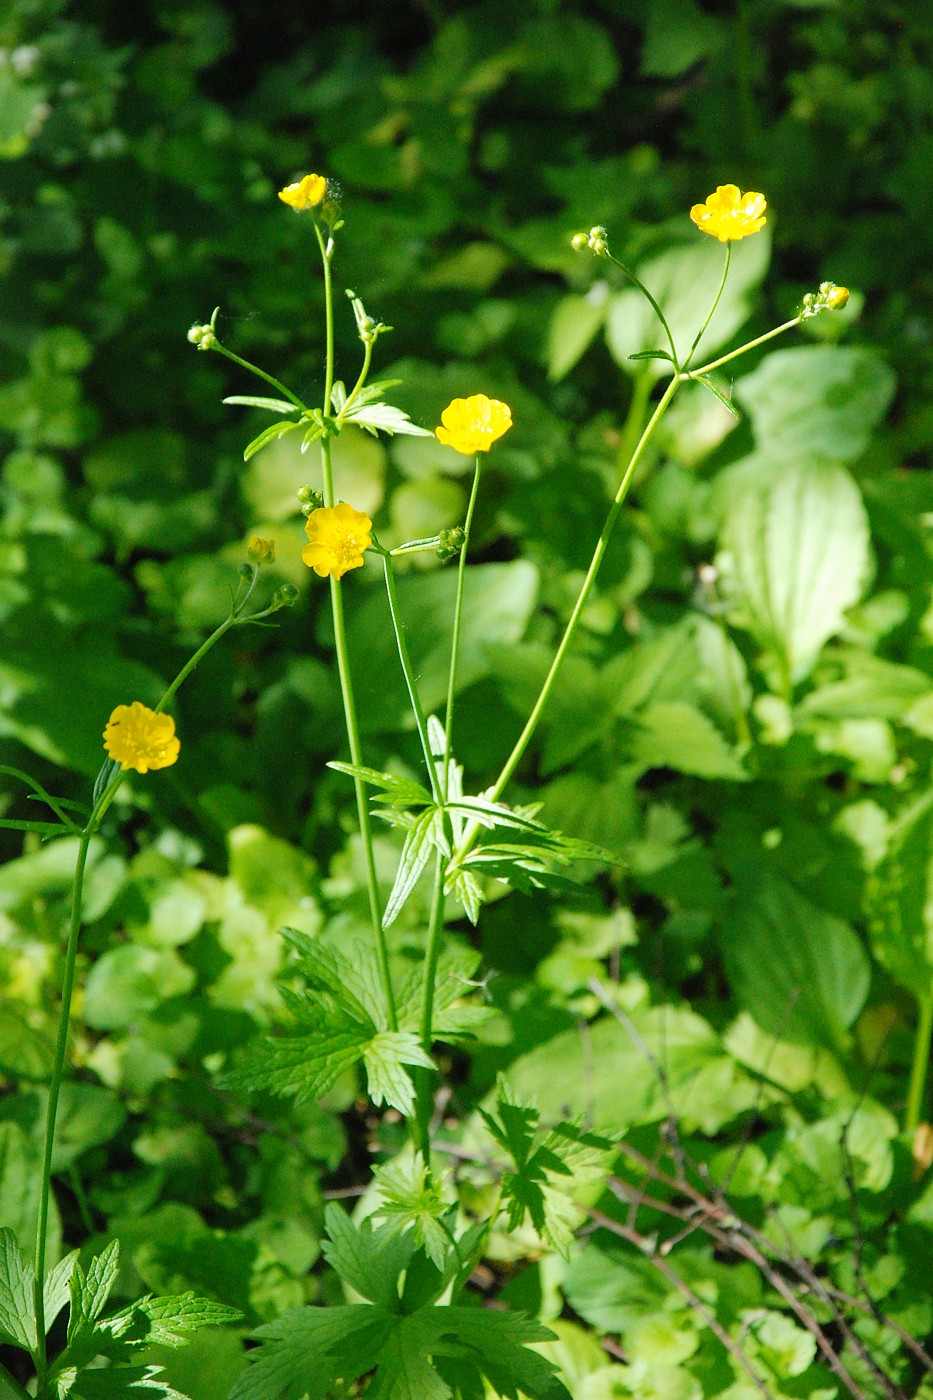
[{"x": 644, "y": 1244}]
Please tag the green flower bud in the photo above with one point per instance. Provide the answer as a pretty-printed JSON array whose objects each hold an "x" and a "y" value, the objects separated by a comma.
[
  {"x": 202, "y": 336},
  {"x": 285, "y": 597}
]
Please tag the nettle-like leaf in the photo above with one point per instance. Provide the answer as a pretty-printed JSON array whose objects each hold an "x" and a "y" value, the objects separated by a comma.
[
  {"x": 414, "y": 1349},
  {"x": 17, "y": 1307},
  {"x": 526, "y": 861},
  {"x": 411, "y": 1198},
  {"x": 548, "y": 1167},
  {"x": 387, "y": 1057},
  {"x": 383, "y": 418},
  {"x": 340, "y": 1019},
  {"x": 148, "y": 1321},
  {"x": 124, "y": 1383}
]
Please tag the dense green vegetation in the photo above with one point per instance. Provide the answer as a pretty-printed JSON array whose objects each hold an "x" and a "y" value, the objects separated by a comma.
[{"x": 742, "y": 1003}]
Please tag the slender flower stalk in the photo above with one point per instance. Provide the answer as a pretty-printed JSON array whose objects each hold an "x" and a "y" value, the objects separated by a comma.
[
  {"x": 424, "y": 1077},
  {"x": 260, "y": 373},
  {"x": 743, "y": 349},
  {"x": 455, "y": 639},
  {"x": 702, "y": 331},
  {"x": 108, "y": 784},
  {"x": 408, "y": 671},
  {"x": 343, "y": 660},
  {"x": 602, "y": 545}
]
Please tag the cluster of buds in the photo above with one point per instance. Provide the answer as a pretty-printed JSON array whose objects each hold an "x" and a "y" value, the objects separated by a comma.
[
  {"x": 203, "y": 337},
  {"x": 595, "y": 240},
  {"x": 450, "y": 542},
  {"x": 309, "y": 500},
  {"x": 828, "y": 298}
]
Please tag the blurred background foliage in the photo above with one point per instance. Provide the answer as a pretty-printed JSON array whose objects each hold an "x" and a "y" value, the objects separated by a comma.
[{"x": 754, "y": 742}]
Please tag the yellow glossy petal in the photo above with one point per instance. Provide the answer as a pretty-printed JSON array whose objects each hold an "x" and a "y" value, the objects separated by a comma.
[
  {"x": 338, "y": 536},
  {"x": 305, "y": 194},
  {"x": 140, "y": 738},
  {"x": 728, "y": 214},
  {"x": 472, "y": 425}
]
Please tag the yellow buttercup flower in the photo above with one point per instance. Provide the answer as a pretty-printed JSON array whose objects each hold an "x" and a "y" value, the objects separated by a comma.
[
  {"x": 473, "y": 425},
  {"x": 337, "y": 537},
  {"x": 729, "y": 214},
  {"x": 305, "y": 194},
  {"x": 137, "y": 737}
]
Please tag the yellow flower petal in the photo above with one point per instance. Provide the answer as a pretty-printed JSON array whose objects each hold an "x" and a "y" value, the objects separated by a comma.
[
  {"x": 728, "y": 214},
  {"x": 337, "y": 538},
  {"x": 137, "y": 737},
  {"x": 305, "y": 194},
  {"x": 473, "y": 425}
]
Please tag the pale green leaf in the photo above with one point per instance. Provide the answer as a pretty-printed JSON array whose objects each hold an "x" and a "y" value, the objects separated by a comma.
[
  {"x": 172, "y": 1320},
  {"x": 800, "y": 971},
  {"x": 384, "y": 418},
  {"x": 817, "y": 400},
  {"x": 672, "y": 734},
  {"x": 899, "y": 902},
  {"x": 575, "y": 323},
  {"x": 795, "y": 556},
  {"x": 684, "y": 282},
  {"x": 419, "y": 843}
]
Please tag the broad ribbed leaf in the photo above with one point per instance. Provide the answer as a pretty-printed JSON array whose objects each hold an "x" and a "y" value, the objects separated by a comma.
[
  {"x": 795, "y": 556},
  {"x": 800, "y": 971}
]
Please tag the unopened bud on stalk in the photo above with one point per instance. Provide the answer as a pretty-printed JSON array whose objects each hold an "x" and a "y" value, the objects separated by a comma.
[
  {"x": 450, "y": 542},
  {"x": 285, "y": 597},
  {"x": 828, "y": 298}
]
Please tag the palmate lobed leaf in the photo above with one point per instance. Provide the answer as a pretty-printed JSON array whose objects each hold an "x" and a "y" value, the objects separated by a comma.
[{"x": 415, "y": 1357}]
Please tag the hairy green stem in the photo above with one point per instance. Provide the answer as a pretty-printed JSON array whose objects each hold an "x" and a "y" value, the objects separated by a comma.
[
  {"x": 657, "y": 310},
  {"x": 363, "y": 376},
  {"x": 916, "y": 1090},
  {"x": 602, "y": 545},
  {"x": 343, "y": 660},
  {"x": 455, "y": 638},
  {"x": 55, "y": 1084},
  {"x": 424, "y": 1077},
  {"x": 261, "y": 373},
  {"x": 734, "y": 354},
  {"x": 327, "y": 257},
  {"x": 99, "y": 810},
  {"x": 408, "y": 672}
]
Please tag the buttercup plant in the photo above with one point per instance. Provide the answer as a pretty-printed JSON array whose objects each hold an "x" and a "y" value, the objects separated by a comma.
[
  {"x": 139, "y": 739},
  {"x": 422, "y": 1253},
  {"x": 411, "y": 1258}
]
